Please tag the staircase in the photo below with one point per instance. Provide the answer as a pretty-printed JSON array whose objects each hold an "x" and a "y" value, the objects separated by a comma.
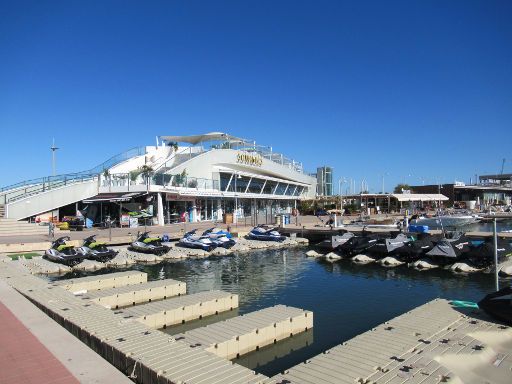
[
  {"x": 12, "y": 227},
  {"x": 2, "y": 211}
]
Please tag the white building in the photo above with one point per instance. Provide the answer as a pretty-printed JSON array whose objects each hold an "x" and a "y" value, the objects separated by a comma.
[{"x": 213, "y": 176}]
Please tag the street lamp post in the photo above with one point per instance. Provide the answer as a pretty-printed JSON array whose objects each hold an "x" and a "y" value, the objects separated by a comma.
[
  {"x": 340, "y": 189},
  {"x": 53, "y": 148}
]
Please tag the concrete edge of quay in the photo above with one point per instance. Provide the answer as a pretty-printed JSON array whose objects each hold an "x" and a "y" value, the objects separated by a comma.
[{"x": 83, "y": 363}]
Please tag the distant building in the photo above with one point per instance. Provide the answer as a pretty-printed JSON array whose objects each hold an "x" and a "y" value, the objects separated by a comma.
[
  {"x": 492, "y": 189},
  {"x": 324, "y": 181}
]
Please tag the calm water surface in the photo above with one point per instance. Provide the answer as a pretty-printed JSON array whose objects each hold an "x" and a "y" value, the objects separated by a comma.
[{"x": 346, "y": 299}]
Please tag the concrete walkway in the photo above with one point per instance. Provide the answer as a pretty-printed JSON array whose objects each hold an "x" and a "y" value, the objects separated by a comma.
[{"x": 35, "y": 349}]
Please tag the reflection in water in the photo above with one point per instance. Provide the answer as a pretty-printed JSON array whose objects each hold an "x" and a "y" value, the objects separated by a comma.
[
  {"x": 181, "y": 328},
  {"x": 269, "y": 354},
  {"x": 346, "y": 299}
]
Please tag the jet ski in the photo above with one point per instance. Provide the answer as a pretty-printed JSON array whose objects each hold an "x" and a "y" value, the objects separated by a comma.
[
  {"x": 264, "y": 233},
  {"x": 446, "y": 250},
  {"x": 482, "y": 255},
  {"x": 358, "y": 244},
  {"x": 498, "y": 305},
  {"x": 415, "y": 250},
  {"x": 192, "y": 240},
  {"x": 329, "y": 245},
  {"x": 95, "y": 250},
  {"x": 387, "y": 246},
  {"x": 146, "y": 244},
  {"x": 62, "y": 253},
  {"x": 219, "y": 237}
]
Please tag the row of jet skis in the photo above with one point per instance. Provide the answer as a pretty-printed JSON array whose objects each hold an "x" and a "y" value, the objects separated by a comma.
[
  {"x": 444, "y": 249},
  {"x": 215, "y": 237},
  {"x": 63, "y": 253}
]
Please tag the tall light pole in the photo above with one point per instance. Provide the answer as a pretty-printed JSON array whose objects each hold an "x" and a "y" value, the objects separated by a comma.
[
  {"x": 340, "y": 185},
  {"x": 383, "y": 175},
  {"x": 53, "y": 148}
]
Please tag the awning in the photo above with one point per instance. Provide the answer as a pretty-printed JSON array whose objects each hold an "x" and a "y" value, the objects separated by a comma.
[
  {"x": 196, "y": 139},
  {"x": 112, "y": 197},
  {"x": 419, "y": 197}
]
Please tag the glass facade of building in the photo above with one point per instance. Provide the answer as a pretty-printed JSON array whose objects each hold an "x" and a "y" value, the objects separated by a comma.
[{"x": 324, "y": 181}]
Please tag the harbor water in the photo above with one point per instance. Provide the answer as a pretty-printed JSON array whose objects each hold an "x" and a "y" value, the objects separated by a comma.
[{"x": 346, "y": 299}]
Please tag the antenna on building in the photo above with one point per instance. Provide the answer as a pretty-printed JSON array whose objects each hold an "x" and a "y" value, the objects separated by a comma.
[{"x": 53, "y": 148}]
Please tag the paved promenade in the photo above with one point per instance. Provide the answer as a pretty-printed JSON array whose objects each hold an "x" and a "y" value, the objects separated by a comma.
[{"x": 35, "y": 349}]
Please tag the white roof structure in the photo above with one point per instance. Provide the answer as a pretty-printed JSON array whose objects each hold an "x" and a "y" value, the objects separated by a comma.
[
  {"x": 419, "y": 197},
  {"x": 196, "y": 139}
]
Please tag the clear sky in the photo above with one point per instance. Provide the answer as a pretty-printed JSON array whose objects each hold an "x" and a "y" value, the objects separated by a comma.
[{"x": 417, "y": 90}]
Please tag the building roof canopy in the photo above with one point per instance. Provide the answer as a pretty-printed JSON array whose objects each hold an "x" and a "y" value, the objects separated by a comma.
[
  {"x": 419, "y": 197},
  {"x": 196, "y": 139}
]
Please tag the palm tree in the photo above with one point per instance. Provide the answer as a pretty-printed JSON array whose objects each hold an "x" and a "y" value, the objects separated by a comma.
[{"x": 146, "y": 172}]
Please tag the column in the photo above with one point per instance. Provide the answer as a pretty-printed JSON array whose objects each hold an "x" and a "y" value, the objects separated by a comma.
[{"x": 160, "y": 209}]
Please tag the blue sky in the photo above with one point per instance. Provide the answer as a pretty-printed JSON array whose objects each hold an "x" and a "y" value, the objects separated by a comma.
[{"x": 418, "y": 90}]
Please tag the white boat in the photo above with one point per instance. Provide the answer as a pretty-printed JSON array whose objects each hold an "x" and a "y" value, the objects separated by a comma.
[{"x": 456, "y": 220}]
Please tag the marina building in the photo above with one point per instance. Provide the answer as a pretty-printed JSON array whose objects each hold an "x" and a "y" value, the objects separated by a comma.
[
  {"x": 491, "y": 189},
  {"x": 212, "y": 176}
]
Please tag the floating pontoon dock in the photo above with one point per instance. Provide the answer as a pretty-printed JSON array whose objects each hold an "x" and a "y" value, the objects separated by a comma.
[
  {"x": 136, "y": 294},
  {"x": 160, "y": 314},
  {"x": 111, "y": 280},
  {"x": 433, "y": 343},
  {"x": 243, "y": 334}
]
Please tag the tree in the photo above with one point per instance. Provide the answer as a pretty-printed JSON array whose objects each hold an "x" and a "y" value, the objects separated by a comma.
[
  {"x": 401, "y": 187},
  {"x": 146, "y": 172},
  {"x": 174, "y": 145},
  {"x": 134, "y": 174}
]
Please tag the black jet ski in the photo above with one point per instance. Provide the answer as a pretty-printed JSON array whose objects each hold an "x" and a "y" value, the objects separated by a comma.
[
  {"x": 415, "y": 250},
  {"x": 331, "y": 244},
  {"x": 94, "y": 250},
  {"x": 192, "y": 240},
  {"x": 62, "y": 253},
  {"x": 265, "y": 233},
  {"x": 447, "y": 251},
  {"x": 219, "y": 237},
  {"x": 387, "y": 246},
  {"x": 482, "y": 255},
  {"x": 498, "y": 305},
  {"x": 146, "y": 244},
  {"x": 358, "y": 245}
]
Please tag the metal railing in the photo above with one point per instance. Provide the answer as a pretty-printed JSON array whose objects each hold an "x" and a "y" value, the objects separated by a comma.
[
  {"x": 32, "y": 187},
  {"x": 47, "y": 185}
]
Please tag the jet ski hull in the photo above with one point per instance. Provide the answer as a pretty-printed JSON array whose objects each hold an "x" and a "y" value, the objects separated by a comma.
[
  {"x": 151, "y": 249},
  {"x": 497, "y": 306},
  {"x": 197, "y": 245},
  {"x": 99, "y": 255},
  {"x": 69, "y": 260}
]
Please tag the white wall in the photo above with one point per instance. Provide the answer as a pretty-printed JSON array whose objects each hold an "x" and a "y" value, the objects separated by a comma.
[
  {"x": 208, "y": 164},
  {"x": 52, "y": 199},
  {"x": 154, "y": 155}
]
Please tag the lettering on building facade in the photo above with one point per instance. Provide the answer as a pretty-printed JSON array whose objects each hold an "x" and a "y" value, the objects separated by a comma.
[{"x": 249, "y": 159}]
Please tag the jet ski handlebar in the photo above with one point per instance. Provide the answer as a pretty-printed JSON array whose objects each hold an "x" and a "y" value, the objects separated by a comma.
[{"x": 61, "y": 240}]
